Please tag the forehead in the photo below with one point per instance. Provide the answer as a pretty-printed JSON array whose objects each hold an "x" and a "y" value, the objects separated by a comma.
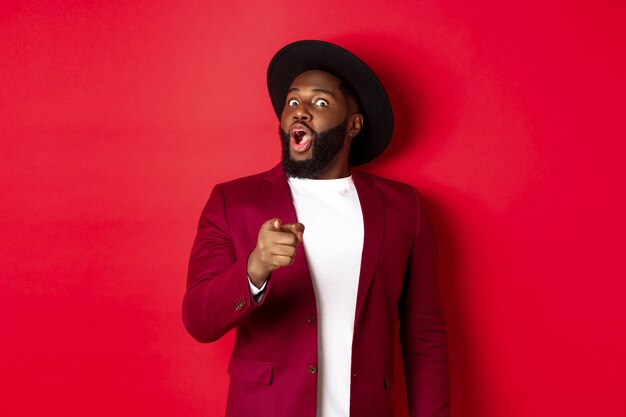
[{"x": 316, "y": 79}]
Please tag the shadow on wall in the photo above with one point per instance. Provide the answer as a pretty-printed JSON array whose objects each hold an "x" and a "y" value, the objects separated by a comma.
[
  {"x": 466, "y": 399},
  {"x": 415, "y": 83},
  {"x": 465, "y": 395}
]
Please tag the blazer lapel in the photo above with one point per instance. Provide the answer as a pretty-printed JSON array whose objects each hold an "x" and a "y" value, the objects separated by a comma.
[
  {"x": 373, "y": 227},
  {"x": 280, "y": 202},
  {"x": 278, "y": 195}
]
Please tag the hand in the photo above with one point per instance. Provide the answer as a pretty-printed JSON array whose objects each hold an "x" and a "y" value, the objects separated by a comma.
[{"x": 276, "y": 247}]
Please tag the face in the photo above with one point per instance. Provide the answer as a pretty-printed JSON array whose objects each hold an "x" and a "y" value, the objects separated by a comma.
[{"x": 315, "y": 104}]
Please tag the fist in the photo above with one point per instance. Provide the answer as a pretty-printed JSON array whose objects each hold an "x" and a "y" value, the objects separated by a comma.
[{"x": 276, "y": 247}]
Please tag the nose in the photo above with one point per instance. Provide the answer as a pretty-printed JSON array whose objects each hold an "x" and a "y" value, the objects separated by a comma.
[{"x": 302, "y": 113}]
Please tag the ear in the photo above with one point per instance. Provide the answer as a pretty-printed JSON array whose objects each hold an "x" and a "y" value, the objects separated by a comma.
[{"x": 355, "y": 124}]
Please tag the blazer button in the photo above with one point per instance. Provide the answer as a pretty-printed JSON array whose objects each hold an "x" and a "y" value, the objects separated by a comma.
[
  {"x": 311, "y": 319},
  {"x": 311, "y": 369},
  {"x": 241, "y": 302}
]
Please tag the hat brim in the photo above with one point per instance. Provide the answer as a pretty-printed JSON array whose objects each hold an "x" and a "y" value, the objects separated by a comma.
[{"x": 301, "y": 56}]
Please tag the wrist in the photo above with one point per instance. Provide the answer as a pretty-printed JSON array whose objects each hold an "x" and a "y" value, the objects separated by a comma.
[{"x": 256, "y": 271}]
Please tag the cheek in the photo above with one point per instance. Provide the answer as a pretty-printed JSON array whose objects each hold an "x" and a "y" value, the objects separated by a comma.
[{"x": 284, "y": 119}]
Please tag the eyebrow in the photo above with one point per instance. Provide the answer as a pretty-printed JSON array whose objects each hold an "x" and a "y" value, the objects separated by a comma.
[{"x": 316, "y": 90}]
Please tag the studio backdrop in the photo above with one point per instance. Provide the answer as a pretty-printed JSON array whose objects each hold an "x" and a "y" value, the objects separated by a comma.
[{"x": 117, "y": 119}]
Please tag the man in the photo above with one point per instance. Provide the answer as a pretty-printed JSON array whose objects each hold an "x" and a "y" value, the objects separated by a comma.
[{"x": 314, "y": 261}]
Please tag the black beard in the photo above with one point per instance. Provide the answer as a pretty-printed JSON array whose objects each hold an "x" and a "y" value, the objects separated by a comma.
[{"x": 325, "y": 146}]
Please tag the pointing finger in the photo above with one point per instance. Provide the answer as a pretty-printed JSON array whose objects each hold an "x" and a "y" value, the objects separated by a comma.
[{"x": 296, "y": 228}]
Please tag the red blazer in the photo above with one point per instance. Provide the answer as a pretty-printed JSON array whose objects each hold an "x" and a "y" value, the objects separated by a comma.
[{"x": 273, "y": 365}]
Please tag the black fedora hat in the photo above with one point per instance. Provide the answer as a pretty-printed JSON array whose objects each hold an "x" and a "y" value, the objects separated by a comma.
[{"x": 301, "y": 56}]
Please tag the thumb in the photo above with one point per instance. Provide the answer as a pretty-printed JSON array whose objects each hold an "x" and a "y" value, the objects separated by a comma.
[{"x": 276, "y": 224}]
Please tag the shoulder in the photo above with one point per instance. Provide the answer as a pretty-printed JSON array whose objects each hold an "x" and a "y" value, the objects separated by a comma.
[
  {"x": 249, "y": 182},
  {"x": 398, "y": 197},
  {"x": 388, "y": 187}
]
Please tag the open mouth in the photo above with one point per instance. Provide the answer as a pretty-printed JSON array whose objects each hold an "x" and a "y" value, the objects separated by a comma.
[{"x": 300, "y": 137}]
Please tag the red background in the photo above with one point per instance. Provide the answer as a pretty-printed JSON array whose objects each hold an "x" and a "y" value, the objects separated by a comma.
[{"x": 117, "y": 118}]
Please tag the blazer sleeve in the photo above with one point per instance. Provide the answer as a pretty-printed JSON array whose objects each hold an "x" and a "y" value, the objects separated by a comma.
[
  {"x": 218, "y": 296},
  {"x": 423, "y": 332}
]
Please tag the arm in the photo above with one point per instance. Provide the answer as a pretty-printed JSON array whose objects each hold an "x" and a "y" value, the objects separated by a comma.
[
  {"x": 423, "y": 333},
  {"x": 218, "y": 295},
  {"x": 220, "y": 290}
]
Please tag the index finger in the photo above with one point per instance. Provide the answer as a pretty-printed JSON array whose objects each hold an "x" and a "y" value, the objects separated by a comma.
[{"x": 296, "y": 228}]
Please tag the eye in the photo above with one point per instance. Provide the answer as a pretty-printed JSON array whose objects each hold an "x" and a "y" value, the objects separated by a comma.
[
  {"x": 292, "y": 103},
  {"x": 321, "y": 102}
]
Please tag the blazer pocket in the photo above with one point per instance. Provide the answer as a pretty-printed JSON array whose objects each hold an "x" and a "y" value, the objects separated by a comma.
[
  {"x": 389, "y": 375},
  {"x": 250, "y": 370}
]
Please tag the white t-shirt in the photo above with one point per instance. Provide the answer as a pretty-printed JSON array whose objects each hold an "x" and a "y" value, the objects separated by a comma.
[{"x": 333, "y": 244}]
